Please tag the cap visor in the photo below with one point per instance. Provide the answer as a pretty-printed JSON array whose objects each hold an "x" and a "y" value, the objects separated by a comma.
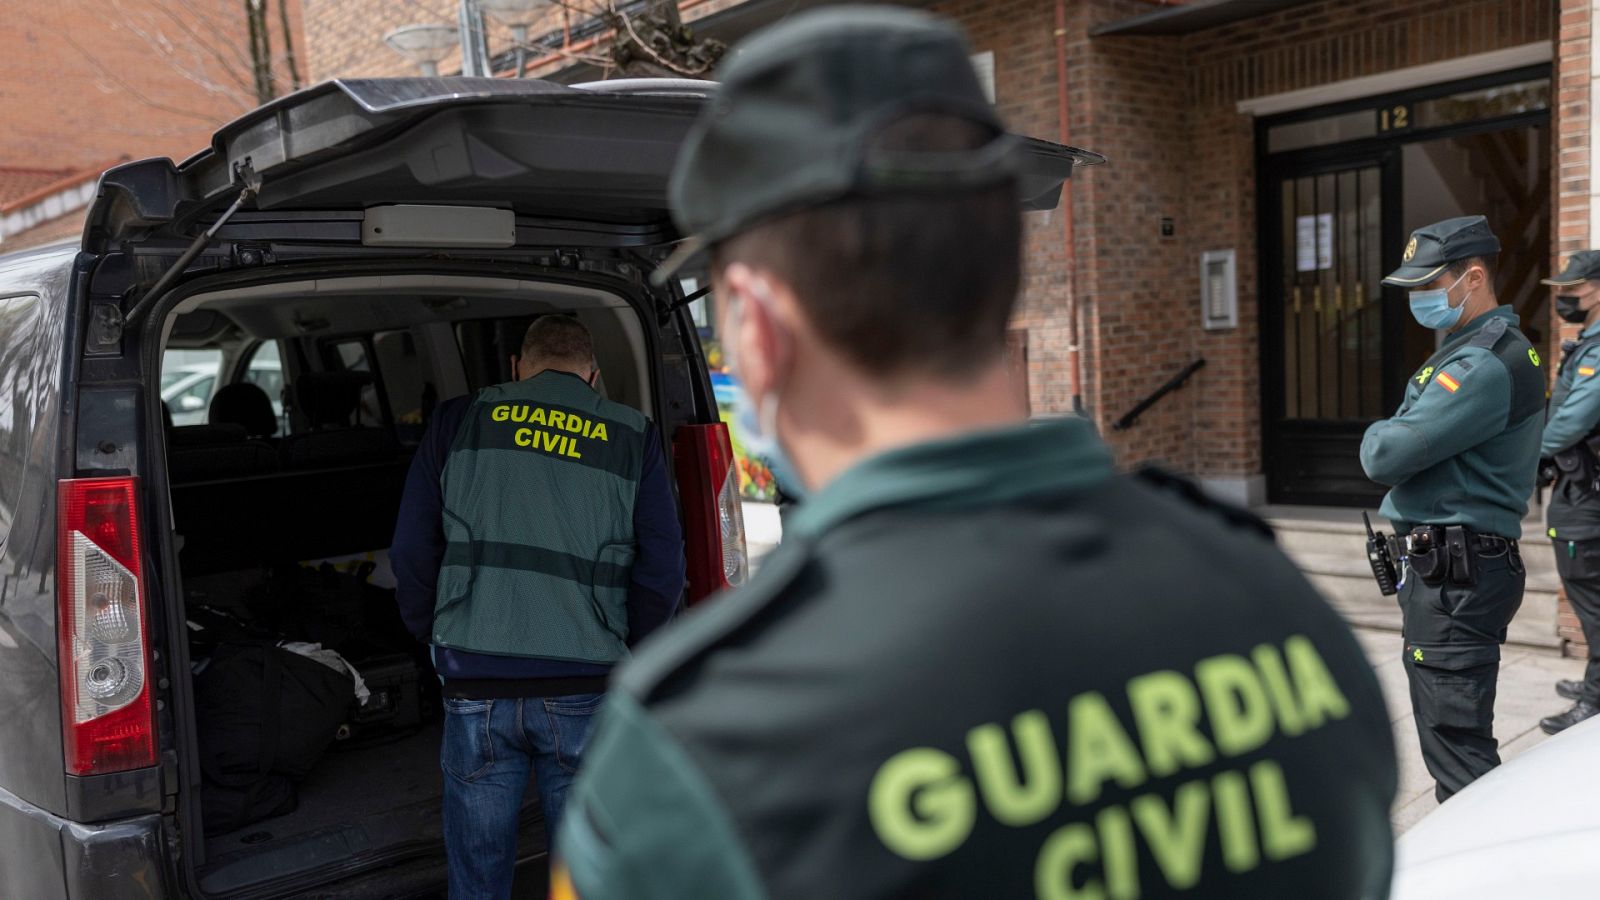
[
  {"x": 1411, "y": 276},
  {"x": 1563, "y": 280},
  {"x": 689, "y": 250}
]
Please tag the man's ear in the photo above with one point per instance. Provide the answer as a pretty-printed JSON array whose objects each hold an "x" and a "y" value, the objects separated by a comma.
[
  {"x": 1480, "y": 278},
  {"x": 763, "y": 343},
  {"x": 516, "y": 371}
]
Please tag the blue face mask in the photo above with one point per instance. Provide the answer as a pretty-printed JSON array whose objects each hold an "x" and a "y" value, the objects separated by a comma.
[
  {"x": 1432, "y": 309},
  {"x": 758, "y": 430}
]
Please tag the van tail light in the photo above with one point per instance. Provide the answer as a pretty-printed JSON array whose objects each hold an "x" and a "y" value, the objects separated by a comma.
[
  {"x": 103, "y": 628},
  {"x": 708, "y": 482}
]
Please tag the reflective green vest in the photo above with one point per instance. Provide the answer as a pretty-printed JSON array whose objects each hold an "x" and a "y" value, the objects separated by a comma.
[{"x": 539, "y": 489}]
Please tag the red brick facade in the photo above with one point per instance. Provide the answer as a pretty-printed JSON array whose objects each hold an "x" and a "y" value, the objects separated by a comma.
[
  {"x": 1573, "y": 202},
  {"x": 81, "y": 83},
  {"x": 1164, "y": 110}
]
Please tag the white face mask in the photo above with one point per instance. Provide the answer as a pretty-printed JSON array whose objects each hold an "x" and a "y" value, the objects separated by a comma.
[{"x": 758, "y": 428}]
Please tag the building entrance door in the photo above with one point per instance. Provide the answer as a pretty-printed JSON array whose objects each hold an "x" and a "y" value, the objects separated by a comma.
[
  {"x": 1331, "y": 375},
  {"x": 1338, "y": 190}
]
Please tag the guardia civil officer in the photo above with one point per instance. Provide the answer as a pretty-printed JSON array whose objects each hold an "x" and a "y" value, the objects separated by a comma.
[
  {"x": 1571, "y": 436},
  {"x": 1461, "y": 455},
  {"x": 982, "y": 663},
  {"x": 538, "y": 539}
]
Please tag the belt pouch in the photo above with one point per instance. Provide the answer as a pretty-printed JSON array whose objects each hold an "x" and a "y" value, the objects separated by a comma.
[{"x": 1458, "y": 543}]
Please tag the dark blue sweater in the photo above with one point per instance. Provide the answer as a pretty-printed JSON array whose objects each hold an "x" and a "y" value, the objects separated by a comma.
[{"x": 419, "y": 545}]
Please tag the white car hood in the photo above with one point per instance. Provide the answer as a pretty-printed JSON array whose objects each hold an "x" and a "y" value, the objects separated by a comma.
[{"x": 1528, "y": 829}]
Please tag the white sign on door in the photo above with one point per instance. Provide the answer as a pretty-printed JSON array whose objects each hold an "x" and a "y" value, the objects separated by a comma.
[{"x": 1313, "y": 242}]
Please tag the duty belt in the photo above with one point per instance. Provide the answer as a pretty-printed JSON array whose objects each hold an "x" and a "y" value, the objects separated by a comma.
[
  {"x": 1488, "y": 544},
  {"x": 1440, "y": 552}
]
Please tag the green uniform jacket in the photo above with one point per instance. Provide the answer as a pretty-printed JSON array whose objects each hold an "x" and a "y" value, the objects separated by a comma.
[
  {"x": 1574, "y": 512},
  {"x": 538, "y": 491},
  {"x": 989, "y": 667},
  {"x": 1463, "y": 449}
]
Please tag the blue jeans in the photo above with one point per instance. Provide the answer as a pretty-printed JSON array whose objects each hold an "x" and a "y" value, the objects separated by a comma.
[{"x": 489, "y": 748}]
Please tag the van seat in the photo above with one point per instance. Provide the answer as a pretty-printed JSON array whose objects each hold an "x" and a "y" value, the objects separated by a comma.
[
  {"x": 247, "y": 405},
  {"x": 204, "y": 452},
  {"x": 330, "y": 401}
]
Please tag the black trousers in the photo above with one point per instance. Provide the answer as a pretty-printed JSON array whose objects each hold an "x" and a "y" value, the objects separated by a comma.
[
  {"x": 1453, "y": 635},
  {"x": 1578, "y": 563}
]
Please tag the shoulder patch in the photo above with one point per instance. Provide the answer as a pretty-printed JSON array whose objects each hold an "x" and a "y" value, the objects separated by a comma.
[
  {"x": 1190, "y": 492},
  {"x": 1447, "y": 382}
]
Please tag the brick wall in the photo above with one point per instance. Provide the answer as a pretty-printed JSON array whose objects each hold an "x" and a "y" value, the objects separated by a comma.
[
  {"x": 345, "y": 37},
  {"x": 1574, "y": 203},
  {"x": 1163, "y": 109},
  {"x": 1021, "y": 33},
  {"x": 84, "y": 82},
  {"x": 1208, "y": 147}
]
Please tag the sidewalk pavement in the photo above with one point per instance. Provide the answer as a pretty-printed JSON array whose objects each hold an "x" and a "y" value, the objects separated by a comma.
[{"x": 1526, "y": 693}]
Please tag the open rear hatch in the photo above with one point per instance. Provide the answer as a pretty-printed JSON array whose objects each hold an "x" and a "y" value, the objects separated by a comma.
[
  {"x": 598, "y": 154},
  {"x": 316, "y": 178}
]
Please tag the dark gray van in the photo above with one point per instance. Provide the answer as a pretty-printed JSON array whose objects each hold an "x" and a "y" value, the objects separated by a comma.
[{"x": 345, "y": 258}]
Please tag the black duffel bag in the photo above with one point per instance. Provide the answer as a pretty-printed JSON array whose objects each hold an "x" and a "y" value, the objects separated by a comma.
[{"x": 265, "y": 718}]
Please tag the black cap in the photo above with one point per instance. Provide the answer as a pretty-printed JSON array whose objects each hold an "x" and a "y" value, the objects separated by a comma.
[
  {"x": 1581, "y": 266},
  {"x": 1435, "y": 246},
  {"x": 793, "y": 123}
]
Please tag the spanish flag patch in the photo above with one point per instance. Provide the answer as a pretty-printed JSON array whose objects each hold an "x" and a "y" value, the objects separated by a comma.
[
  {"x": 1586, "y": 371},
  {"x": 1448, "y": 383}
]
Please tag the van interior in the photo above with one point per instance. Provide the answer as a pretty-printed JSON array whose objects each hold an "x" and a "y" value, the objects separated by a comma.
[{"x": 283, "y": 503}]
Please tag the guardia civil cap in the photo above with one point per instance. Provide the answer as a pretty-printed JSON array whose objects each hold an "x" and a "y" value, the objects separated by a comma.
[
  {"x": 1435, "y": 246},
  {"x": 800, "y": 103},
  {"x": 1581, "y": 266}
]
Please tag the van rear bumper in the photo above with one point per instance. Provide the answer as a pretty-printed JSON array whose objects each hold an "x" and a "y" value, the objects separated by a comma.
[{"x": 51, "y": 858}]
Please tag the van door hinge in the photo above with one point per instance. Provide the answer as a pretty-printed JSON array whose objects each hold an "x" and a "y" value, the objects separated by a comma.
[
  {"x": 105, "y": 330},
  {"x": 249, "y": 256}
]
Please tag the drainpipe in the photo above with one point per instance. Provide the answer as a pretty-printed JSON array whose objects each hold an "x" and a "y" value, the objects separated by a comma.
[{"x": 1074, "y": 350}]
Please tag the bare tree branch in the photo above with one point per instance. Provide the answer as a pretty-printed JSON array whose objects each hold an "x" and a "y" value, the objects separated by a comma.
[
  {"x": 109, "y": 74},
  {"x": 210, "y": 47},
  {"x": 669, "y": 66},
  {"x": 288, "y": 44}
]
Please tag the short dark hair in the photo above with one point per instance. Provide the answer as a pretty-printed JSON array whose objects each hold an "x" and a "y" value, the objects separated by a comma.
[
  {"x": 921, "y": 281},
  {"x": 558, "y": 339},
  {"x": 1459, "y": 267}
]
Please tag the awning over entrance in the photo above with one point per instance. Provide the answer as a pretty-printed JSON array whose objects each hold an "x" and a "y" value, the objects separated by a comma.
[{"x": 1195, "y": 16}]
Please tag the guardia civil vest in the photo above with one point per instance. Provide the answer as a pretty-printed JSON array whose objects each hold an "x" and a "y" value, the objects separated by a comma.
[
  {"x": 1574, "y": 509},
  {"x": 539, "y": 490},
  {"x": 1566, "y": 372}
]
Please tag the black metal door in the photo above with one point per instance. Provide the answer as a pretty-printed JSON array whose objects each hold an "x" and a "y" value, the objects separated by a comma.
[{"x": 1329, "y": 334}]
